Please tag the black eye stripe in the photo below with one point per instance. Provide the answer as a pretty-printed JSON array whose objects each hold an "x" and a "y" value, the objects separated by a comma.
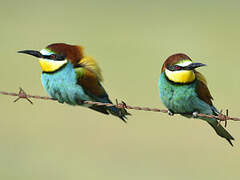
[
  {"x": 55, "y": 57},
  {"x": 174, "y": 67}
]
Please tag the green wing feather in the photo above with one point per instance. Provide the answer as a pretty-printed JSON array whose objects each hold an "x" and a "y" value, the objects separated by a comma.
[
  {"x": 204, "y": 94},
  {"x": 202, "y": 89},
  {"x": 92, "y": 87},
  {"x": 90, "y": 83},
  {"x": 79, "y": 72}
]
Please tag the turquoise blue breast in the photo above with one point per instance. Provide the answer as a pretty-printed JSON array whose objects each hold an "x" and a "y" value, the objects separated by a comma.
[
  {"x": 62, "y": 85},
  {"x": 181, "y": 98}
]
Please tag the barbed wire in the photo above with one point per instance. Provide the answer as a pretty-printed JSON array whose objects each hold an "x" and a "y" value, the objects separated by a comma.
[{"x": 23, "y": 95}]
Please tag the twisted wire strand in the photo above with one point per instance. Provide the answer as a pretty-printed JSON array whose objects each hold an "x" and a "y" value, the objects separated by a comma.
[{"x": 23, "y": 95}]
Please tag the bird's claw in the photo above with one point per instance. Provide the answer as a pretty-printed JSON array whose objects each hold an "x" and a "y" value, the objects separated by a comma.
[
  {"x": 195, "y": 114},
  {"x": 170, "y": 113}
]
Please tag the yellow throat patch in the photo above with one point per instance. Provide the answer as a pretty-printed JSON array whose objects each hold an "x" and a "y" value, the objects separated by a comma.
[
  {"x": 50, "y": 65},
  {"x": 184, "y": 76}
]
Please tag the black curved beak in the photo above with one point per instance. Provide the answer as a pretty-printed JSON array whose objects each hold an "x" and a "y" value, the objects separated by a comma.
[
  {"x": 193, "y": 66},
  {"x": 31, "y": 52}
]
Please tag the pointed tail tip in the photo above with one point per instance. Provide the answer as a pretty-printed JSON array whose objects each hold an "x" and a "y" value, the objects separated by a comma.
[
  {"x": 119, "y": 112},
  {"x": 123, "y": 118},
  {"x": 122, "y": 114},
  {"x": 230, "y": 142},
  {"x": 128, "y": 114}
]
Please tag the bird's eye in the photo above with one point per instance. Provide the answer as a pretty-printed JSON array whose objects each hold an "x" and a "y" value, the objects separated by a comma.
[
  {"x": 177, "y": 67},
  {"x": 53, "y": 56}
]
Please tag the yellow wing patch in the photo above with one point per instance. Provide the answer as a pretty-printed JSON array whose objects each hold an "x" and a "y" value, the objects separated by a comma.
[{"x": 89, "y": 63}]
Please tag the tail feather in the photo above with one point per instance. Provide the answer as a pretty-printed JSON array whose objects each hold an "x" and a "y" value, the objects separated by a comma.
[
  {"x": 221, "y": 131},
  {"x": 119, "y": 112},
  {"x": 100, "y": 109}
]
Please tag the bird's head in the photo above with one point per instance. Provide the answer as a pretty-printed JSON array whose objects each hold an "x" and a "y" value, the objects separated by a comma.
[
  {"x": 55, "y": 56},
  {"x": 179, "y": 68}
]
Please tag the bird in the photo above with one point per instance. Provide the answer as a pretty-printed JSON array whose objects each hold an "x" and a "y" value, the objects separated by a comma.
[
  {"x": 70, "y": 76},
  {"x": 183, "y": 90}
]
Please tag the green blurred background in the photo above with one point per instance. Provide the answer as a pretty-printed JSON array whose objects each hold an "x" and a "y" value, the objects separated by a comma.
[{"x": 130, "y": 40}]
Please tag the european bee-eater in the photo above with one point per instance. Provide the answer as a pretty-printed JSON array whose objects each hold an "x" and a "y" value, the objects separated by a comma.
[
  {"x": 183, "y": 90},
  {"x": 72, "y": 77}
]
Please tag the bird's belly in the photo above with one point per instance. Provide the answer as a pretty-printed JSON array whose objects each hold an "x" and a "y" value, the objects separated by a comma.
[
  {"x": 64, "y": 88},
  {"x": 176, "y": 97},
  {"x": 178, "y": 101}
]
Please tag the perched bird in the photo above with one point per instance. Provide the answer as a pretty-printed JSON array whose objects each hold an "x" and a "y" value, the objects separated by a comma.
[
  {"x": 71, "y": 77},
  {"x": 183, "y": 90}
]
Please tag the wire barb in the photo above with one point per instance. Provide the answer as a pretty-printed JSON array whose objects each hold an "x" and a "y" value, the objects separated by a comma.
[
  {"x": 223, "y": 117},
  {"x": 23, "y": 95}
]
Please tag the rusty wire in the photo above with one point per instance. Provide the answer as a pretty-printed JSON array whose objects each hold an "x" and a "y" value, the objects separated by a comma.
[{"x": 22, "y": 95}]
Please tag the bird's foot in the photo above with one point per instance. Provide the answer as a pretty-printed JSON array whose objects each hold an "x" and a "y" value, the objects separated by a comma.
[
  {"x": 195, "y": 114},
  {"x": 170, "y": 113},
  {"x": 81, "y": 102}
]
